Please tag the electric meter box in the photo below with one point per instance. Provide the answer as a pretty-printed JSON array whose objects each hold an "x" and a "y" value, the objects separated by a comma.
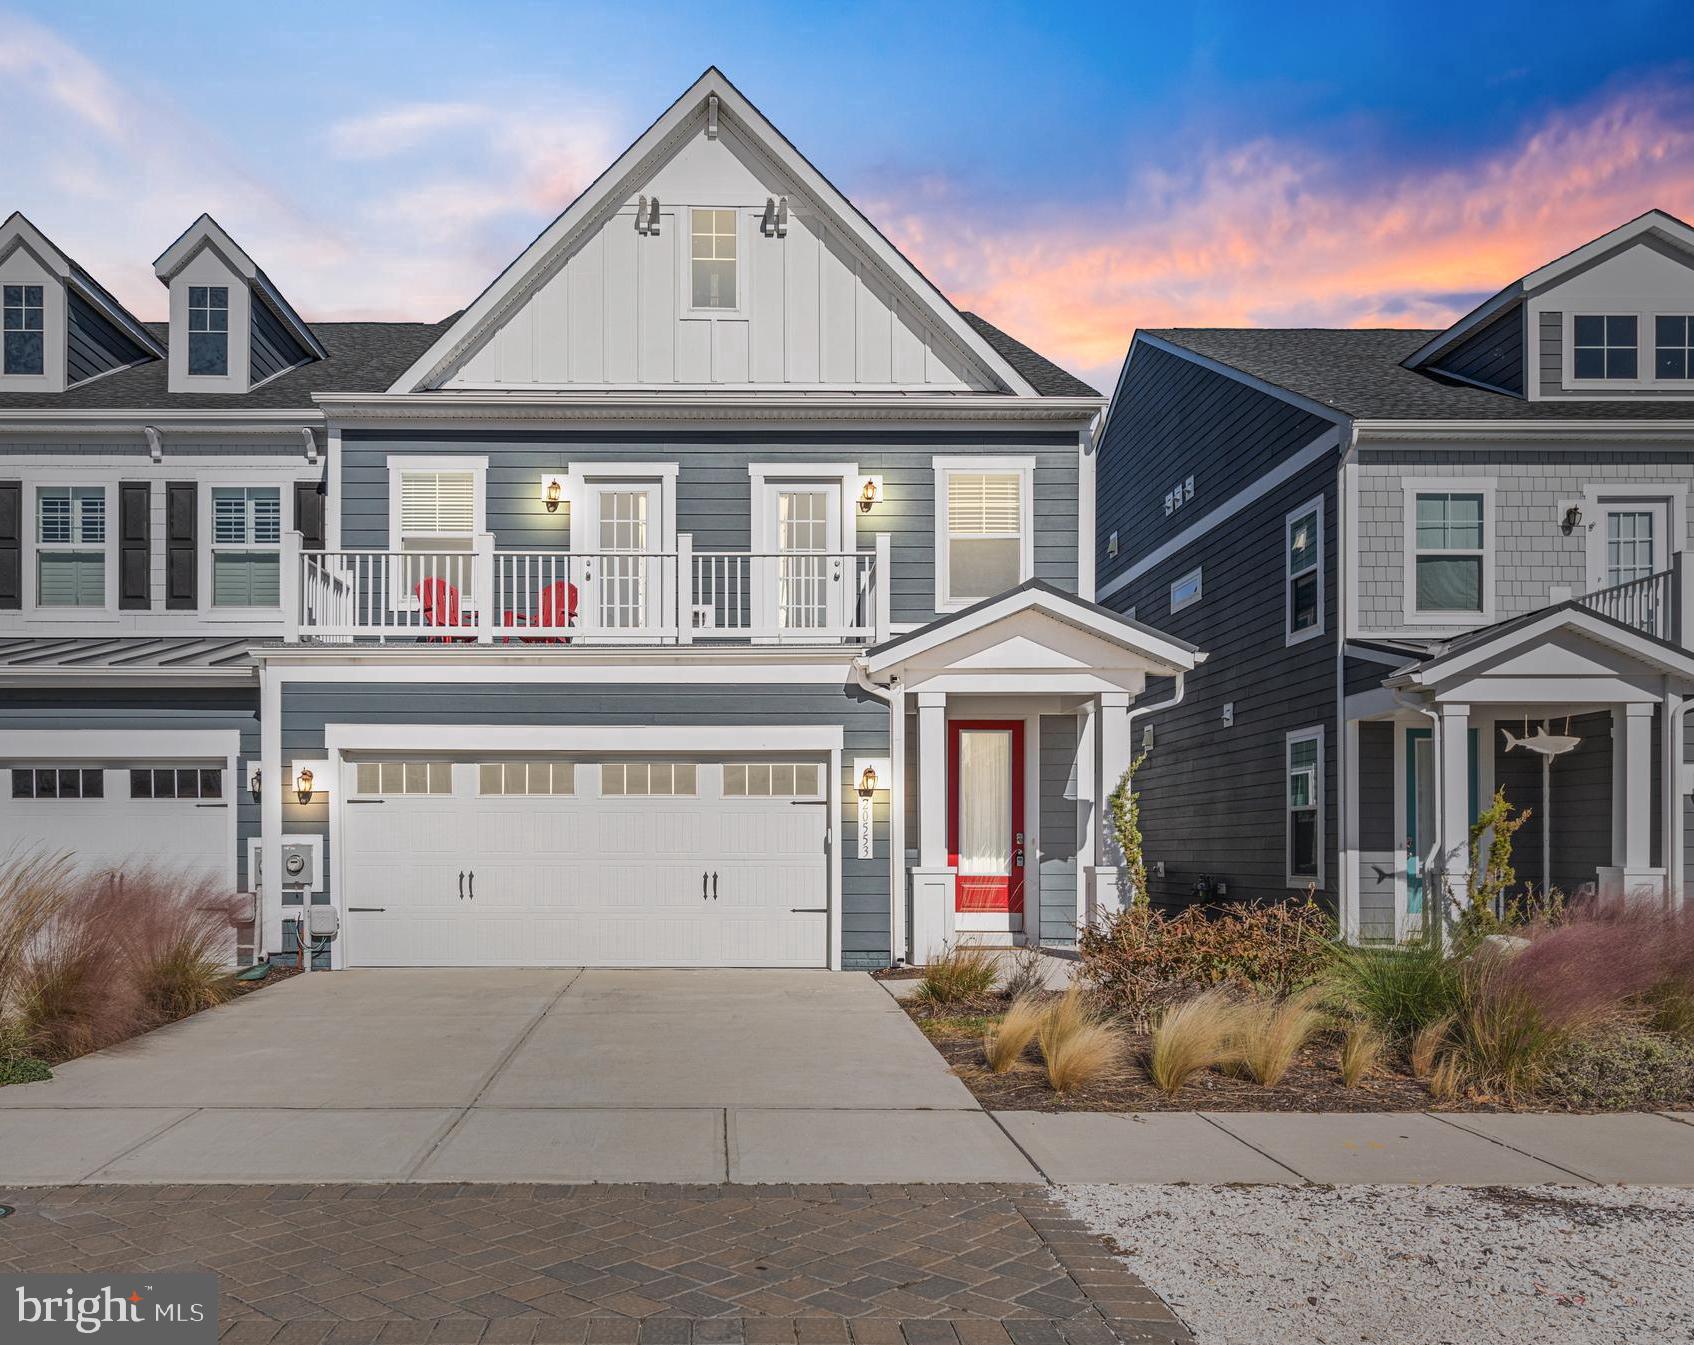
[{"x": 302, "y": 864}]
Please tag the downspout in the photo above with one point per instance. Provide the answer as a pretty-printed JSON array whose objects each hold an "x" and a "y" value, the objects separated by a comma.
[
  {"x": 896, "y": 811},
  {"x": 1674, "y": 750},
  {"x": 1130, "y": 716},
  {"x": 1346, "y": 882},
  {"x": 1440, "y": 925}
]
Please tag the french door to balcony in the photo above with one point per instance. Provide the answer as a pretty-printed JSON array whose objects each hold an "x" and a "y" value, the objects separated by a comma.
[
  {"x": 802, "y": 586},
  {"x": 623, "y": 580}
]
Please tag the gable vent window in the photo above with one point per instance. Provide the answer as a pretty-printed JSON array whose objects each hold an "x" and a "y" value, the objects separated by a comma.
[
  {"x": 71, "y": 546},
  {"x": 25, "y": 324},
  {"x": 1605, "y": 347},
  {"x": 713, "y": 239},
  {"x": 984, "y": 534},
  {"x": 208, "y": 329},
  {"x": 437, "y": 509},
  {"x": 1673, "y": 347}
]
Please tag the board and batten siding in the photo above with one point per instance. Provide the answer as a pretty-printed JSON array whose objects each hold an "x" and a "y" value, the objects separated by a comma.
[
  {"x": 1533, "y": 485},
  {"x": 307, "y": 707},
  {"x": 151, "y": 709},
  {"x": 1174, "y": 419},
  {"x": 714, "y": 491}
]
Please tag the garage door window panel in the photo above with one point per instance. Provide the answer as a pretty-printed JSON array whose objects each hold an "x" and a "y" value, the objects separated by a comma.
[
  {"x": 772, "y": 779},
  {"x": 524, "y": 779},
  {"x": 399, "y": 779},
  {"x": 57, "y": 782},
  {"x": 648, "y": 779},
  {"x": 176, "y": 782}
]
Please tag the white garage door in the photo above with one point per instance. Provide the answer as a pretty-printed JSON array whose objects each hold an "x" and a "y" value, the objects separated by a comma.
[
  {"x": 549, "y": 861},
  {"x": 172, "y": 814}
]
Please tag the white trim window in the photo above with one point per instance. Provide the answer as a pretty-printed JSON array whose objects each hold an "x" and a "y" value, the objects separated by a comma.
[
  {"x": 1303, "y": 758},
  {"x": 712, "y": 236},
  {"x": 1187, "y": 590},
  {"x": 647, "y": 779},
  {"x": 208, "y": 330},
  {"x": 526, "y": 779},
  {"x": 70, "y": 546},
  {"x": 1605, "y": 346},
  {"x": 435, "y": 503},
  {"x": 984, "y": 526},
  {"x": 246, "y": 546},
  {"x": 1303, "y": 565},
  {"x": 1448, "y": 559},
  {"x": 24, "y": 317},
  {"x": 1673, "y": 346}
]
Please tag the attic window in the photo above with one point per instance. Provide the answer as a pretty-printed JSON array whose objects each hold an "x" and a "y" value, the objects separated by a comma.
[
  {"x": 1605, "y": 347},
  {"x": 1673, "y": 347},
  {"x": 25, "y": 325},
  {"x": 208, "y": 330},
  {"x": 713, "y": 239}
]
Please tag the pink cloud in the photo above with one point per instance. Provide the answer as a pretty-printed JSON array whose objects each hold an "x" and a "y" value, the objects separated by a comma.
[{"x": 1275, "y": 234}]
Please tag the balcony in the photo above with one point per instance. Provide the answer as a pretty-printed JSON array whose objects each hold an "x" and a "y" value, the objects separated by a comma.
[
  {"x": 683, "y": 597},
  {"x": 1656, "y": 605}
]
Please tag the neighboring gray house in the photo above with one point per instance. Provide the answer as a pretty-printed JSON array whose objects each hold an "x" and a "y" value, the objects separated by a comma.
[
  {"x": 1405, "y": 550},
  {"x": 710, "y": 591}
]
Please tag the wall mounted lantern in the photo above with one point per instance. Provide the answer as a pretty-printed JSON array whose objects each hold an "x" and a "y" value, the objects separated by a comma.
[
  {"x": 867, "y": 782},
  {"x": 254, "y": 783},
  {"x": 1572, "y": 520},
  {"x": 303, "y": 785},
  {"x": 552, "y": 491},
  {"x": 870, "y": 493}
]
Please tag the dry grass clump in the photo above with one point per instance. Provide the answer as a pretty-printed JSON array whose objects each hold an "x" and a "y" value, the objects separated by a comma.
[
  {"x": 1361, "y": 1052},
  {"x": 1447, "y": 1081},
  {"x": 1426, "y": 1046},
  {"x": 1005, "y": 1046},
  {"x": 182, "y": 943},
  {"x": 1195, "y": 1035},
  {"x": 1077, "y": 1045},
  {"x": 1274, "y": 1032},
  {"x": 1028, "y": 974},
  {"x": 961, "y": 975}
]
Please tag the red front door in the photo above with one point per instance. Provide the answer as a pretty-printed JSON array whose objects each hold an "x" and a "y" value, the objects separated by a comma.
[{"x": 985, "y": 831}]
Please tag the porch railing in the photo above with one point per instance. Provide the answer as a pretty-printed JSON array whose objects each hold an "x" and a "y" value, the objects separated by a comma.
[
  {"x": 482, "y": 595},
  {"x": 1652, "y": 604}
]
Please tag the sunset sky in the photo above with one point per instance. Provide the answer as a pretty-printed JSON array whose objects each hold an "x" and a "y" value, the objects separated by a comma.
[{"x": 1071, "y": 172}]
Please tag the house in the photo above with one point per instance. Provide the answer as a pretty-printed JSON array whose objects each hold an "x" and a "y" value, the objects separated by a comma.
[
  {"x": 710, "y": 591},
  {"x": 1408, "y": 551}
]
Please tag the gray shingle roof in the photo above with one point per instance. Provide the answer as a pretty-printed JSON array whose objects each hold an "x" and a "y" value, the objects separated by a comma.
[
  {"x": 363, "y": 357},
  {"x": 1044, "y": 376},
  {"x": 1357, "y": 370}
]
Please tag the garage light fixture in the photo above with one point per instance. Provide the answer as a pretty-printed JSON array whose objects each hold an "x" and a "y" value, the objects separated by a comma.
[
  {"x": 254, "y": 783},
  {"x": 867, "y": 782},
  {"x": 552, "y": 492},
  {"x": 303, "y": 785},
  {"x": 870, "y": 494}
]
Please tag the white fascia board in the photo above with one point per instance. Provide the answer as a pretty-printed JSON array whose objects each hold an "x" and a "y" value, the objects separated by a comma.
[
  {"x": 1443, "y": 668},
  {"x": 17, "y": 231},
  {"x": 1143, "y": 641},
  {"x": 1524, "y": 431},
  {"x": 118, "y": 744},
  {"x": 43, "y": 421},
  {"x": 509, "y": 284},
  {"x": 204, "y": 231},
  {"x": 80, "y": 675},
  {"x": 583, "y": 737},
  {"x": 704, "y": 667},
  {"x": 1668, "y": 227}
]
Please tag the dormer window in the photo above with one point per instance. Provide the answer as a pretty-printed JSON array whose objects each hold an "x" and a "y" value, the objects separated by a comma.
[
  {"x": 1606, "y": 346},
  {"x": 25, "y": 319},
  {"x": 713, "y": 239},
  {"x": 1673, "y": 347},
  {"x": 208, "y": 330}
]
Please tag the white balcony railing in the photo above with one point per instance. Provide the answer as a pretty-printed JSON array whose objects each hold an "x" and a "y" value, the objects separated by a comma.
[
  {"x": 1652, "y": 604},
  {"x": 483, "y": 595}
]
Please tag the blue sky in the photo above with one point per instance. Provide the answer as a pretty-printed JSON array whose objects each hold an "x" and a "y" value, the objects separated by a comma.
[{"x": 1071, "y": 171}]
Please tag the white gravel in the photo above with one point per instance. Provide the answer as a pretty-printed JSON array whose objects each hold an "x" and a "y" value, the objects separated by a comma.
[{"x": 1409, "y": 1265}]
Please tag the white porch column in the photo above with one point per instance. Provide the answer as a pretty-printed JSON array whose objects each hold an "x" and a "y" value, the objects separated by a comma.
[
  {"x": 1455, "y": 805},
  {"x": 932, "y": 880},
  {"x": 1112, "y": 756},
  {"x": 1632, "y": 875},
  {"x": 1087, "y": 811},
  {"x": 271, "y": 783}
]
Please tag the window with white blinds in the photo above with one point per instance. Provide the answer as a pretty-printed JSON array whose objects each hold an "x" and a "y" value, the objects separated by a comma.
[
  {"x": 437, "y": 504},
  {"x": 985, "y": 543}
]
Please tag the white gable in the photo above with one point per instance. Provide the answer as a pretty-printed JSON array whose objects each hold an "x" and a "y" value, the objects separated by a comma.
[{"x": 603, "y": 299}]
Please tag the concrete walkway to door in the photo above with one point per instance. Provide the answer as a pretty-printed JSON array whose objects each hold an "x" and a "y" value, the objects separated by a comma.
[{"x": 517, "y": 1076}]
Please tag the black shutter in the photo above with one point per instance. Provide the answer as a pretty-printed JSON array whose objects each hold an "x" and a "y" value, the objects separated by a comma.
[
  {"x": 309, "y": 514},
  {"x": 11, "y": 545},
  {"x": 182, "y": 556},
  {"x": 135, "y": 545}
]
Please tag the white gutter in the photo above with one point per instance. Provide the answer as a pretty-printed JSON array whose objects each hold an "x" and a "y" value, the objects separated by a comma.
[{"x": 1347, "y": 875}]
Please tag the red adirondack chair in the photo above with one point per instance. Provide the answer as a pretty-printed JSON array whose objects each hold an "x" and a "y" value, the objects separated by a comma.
[
  {"x": 558, "y": 608},
  {"x": 440, "y": 602}
]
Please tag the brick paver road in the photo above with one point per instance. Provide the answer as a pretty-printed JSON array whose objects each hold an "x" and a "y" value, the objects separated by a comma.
[{"x": 608, "y": 1265}]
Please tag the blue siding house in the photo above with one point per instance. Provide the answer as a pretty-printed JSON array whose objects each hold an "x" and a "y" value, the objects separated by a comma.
[{"x": 710, "y": 591}]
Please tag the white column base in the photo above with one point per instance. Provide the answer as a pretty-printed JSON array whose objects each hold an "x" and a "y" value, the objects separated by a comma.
[
  {"x": 1105, "y": 896},
  {"x": 1619, "y": 885},
  {"x": 933, "y": 927}
]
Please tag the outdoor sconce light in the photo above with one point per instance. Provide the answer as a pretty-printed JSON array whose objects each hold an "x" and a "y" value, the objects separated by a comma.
[
  {"x": 870, "y": 493},
  {"x": 1572, "y": 520},
  {"x": 303, "y": 786},
  {"x": 552, "y": 491},
  {"x": 253, "y": 784},
  {"x": 867, "y": 782}
]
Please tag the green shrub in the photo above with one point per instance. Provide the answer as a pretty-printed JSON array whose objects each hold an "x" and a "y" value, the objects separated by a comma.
[
  {"x": 963, "y": 975},
  {"x": 1400, "y": 990},
  {"x": 1620, "y": 1067},
  {"x": 1141, "y": 958},
  {"x": 22, "y": 1069}
]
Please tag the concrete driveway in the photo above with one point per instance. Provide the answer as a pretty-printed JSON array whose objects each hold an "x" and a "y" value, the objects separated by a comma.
[{"x": 517, "y": 1076}]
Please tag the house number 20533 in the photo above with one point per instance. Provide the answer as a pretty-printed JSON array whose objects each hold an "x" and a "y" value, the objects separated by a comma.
[{"x": 865, "y": 850}]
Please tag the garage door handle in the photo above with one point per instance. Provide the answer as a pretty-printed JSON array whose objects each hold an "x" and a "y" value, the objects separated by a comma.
[
  {"x": 367, "y": 908},
  {"x": 473, "y": 884},
  {"x": 461, "y": 884},
  {"x": 714, "y": 887},
  {"x": 702, "y": 884},
  {"x": 211, "y": 805},
  {"x": 808, "y": 910}
]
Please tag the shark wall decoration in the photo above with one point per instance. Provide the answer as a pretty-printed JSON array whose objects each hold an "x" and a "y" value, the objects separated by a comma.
[{"x": 1549, "y": 746}]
